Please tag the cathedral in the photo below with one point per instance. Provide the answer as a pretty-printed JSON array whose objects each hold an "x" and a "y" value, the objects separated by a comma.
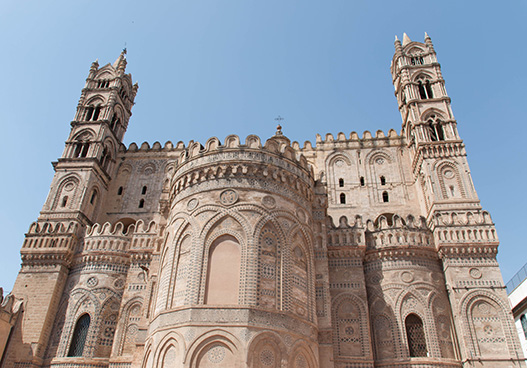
[{"x": 354, "y": 251}]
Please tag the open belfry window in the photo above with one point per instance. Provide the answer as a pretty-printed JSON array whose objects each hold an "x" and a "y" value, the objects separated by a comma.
[
  {"x": 425, "y": 87},
  {"x": 435, "y": 129}
]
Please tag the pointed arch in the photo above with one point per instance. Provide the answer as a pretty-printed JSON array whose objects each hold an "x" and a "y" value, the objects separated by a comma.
[
  {"x": 350, "y": 323},
  {"x": 183, "y": 269},
  {"x": 415, "y": 336},
  {"x": 223, "y": 271},
  {"x": 68, "y": 186},
  {"x": 384, "y": 334},
  {"x": 128, "y": 326},
  {"x": 266, "y": 348},
  {"x": 79, "y": 336},
  {"x": 450, "y": 182},
  {"x": 218, "y": 347},
  {"x": 302, "y": 356},
  {"x": 299, "y": 275},
  {"x": 269, "y": 261},
  {"x": 491, "y": 328}
]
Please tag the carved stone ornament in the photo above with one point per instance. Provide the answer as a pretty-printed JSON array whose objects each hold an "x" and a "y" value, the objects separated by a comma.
[
  {"x": 228, "y": 197},
  {"x": 192, "y": 204},
  {"x": 475, "y": 273},
  {"x": 269, "y": 201},
  {"x": 407, "y": 277},
  {"x": 92, "y": 281}
]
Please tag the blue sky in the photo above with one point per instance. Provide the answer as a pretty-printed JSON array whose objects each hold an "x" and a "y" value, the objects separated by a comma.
[{"x": 214, "y": 68}]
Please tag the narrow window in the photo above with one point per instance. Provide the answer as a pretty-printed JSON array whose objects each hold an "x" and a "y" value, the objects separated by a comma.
[
  {"x": 362, "y": 181},
  {"x": 144, "y": 190},
  {"x": 429, "y": 90},
  {"x": 141, "y": 203},
  {"x": 383, "y": 180},
  {"x": 77, "y": 152},
  {"x": 79, "y": 336},
  {"x": 422, "y": 91},
  {"x": 385, "y": 198},
  {"x": 64, "y": 201},
  {"x": 96, "y": 113},
  {"x": 120, "y": 191},
  {"x": 93, "y": 196},
  {"x": 85, "y": 148},
  {"x": 523, "y": 321},
  {"x": 89, "y": 113},
  {"x": 415, "y": 335},
  {"x": 439, "y": 130},
  {"x": 341, "y": 182},
  {"x": 114, "y": 121},
  {"x": 432, "y": 131},
  {"x": 342, "y": 198},
  {"x": 452, "y": 191}
]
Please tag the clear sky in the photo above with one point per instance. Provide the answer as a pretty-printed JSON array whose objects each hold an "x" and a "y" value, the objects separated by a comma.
[{"x": 214, "y": 68}]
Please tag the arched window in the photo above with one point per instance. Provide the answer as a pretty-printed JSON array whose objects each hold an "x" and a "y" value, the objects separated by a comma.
[
  {"x": 115, "y": 121},
  {"x": 415, "y": 334},
  {"x": 383, "y": 180},
  {"x": 223, "y": 273},
  {"x": 143, "y": 191},
  {"x": 435, "y": 128},
  {"x": 362, "y": 181},
  {"x": 96, "y": 112},
  {"x": 105, "y": 158},
  {"x": 93, "y": 197},
  {"x": 79, "y": 336},
  {"x": 120, "y": 191},
  {"x": 141, "y": 203},
  {"x": 385, "y": 197},
  {"x": 341, "y": 182},
  {"x": 425, "y": 88},
  {"x": 523, "y": 321},
  {"x": 342, "y": 198},
  {"x": 64, "y": 201},
  {"x": 89, "y": 113}
]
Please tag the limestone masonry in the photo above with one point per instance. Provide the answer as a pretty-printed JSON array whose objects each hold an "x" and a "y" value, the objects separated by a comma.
[{"x": 353, "y": 252}]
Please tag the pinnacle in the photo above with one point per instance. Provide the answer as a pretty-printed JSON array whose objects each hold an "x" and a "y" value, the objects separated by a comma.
[{"x": 406, "y": 39}]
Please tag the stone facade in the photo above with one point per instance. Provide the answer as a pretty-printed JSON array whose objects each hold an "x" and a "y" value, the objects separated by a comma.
[{"x": 354, "y": 252}]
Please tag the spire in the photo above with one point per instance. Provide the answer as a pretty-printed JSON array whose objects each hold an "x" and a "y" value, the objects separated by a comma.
[
  {"x": 93, "y": 68},
  {"x": 406, "y": 39},
  {"x": 428, "y": 42},
  {"x": 120, "y": 63},
  {"x": 398, "y": 46}
]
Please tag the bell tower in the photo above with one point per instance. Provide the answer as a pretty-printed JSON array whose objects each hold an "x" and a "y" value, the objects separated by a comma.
[
  {"x": 87, "y": 165},
  {"x": 464, "y": 234},
  {"x": 430, "y": 128},
  {"x": 82, "y": 176}
]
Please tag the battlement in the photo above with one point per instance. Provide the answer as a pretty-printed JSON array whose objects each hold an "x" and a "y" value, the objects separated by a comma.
[
  {"x": 50, "y": 241},
  {"x": 252, "y": 142},
  {"x": 346, "y": 234},
  {"x": 367, "y": 139},
  {"x": 156, "y": 147},
  {"x": 393, "y": 231},
  {"x": 457, "y": 227}
]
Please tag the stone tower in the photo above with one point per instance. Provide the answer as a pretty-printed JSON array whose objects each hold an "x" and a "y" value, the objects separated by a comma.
[
  {"x": 355, "y": 252},
  {"x": 464, "y": 235}
]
